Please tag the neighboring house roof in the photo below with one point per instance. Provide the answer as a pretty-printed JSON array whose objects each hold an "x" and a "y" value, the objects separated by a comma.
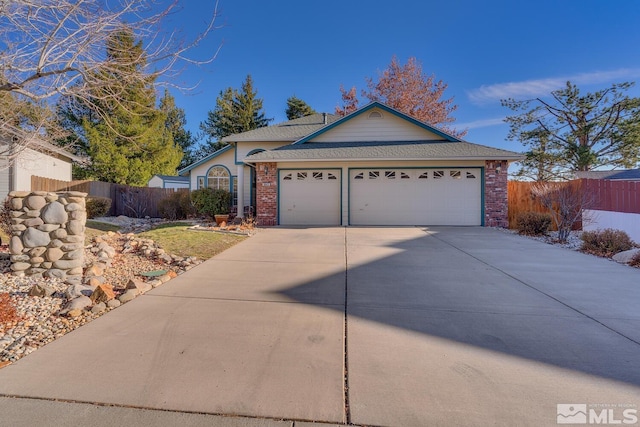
[
  {"x": 626, "y": 174},
  {"x": 41, "y": 145},
  {"x": 204, "y": 160},
  {"x": 289, "y": 131},
  {"x": 381, "y": 150},
  {"x": 376, "y": 104},
  {"x": 173, "y": 178}
]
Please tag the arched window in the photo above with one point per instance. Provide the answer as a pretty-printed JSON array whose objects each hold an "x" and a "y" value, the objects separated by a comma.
[{"x": 218, "y": 178}]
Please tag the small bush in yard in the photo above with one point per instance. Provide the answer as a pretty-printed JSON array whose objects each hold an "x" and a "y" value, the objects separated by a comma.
[
  {"x": 606, "y": 243},
  {"x": 211, "y": 202},
  {"x": 8, "y": 313},
  {"x": 5, "y": 217},
  {"x": 635, "y": 261},
  {"x": 533, "y": 223},
  {"x": 176, "y": 206},
  {"x": 98, "y": 206}
]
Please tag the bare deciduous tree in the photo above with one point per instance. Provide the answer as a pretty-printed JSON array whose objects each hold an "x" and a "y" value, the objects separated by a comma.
[
  {"x": 50, "y": 49},
  {"x": 566, "y": 202}
]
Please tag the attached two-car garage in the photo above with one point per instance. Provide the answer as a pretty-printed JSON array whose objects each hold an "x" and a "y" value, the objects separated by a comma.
[{"x": 381, "y": 196}]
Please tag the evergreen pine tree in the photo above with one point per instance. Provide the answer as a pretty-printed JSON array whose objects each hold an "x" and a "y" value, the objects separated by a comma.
[
  {"x": 235, "y": 112},
  {"x": 134, "y": 143},
  {"x": 297, "y": 108},
  {"x": 175, "y": 122}
]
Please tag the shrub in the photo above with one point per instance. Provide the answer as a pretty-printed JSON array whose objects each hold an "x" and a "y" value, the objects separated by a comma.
[
  {"x": 5, "y": 217},
  {"x": 533, "y": 223},
  {"x": 176, "y": 206},
  {"x": 606, "y": 243},
  {"x": 211, "y": 202},
  {"x": 635, "y": 260},
  {"x": 98, "y": 206},
  {"x": 8, "y": 313}
]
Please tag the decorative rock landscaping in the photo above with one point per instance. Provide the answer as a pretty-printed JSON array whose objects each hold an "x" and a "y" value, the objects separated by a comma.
[
  {"x": 115, "y": 270},
  {"x": 47, "y": 234}
]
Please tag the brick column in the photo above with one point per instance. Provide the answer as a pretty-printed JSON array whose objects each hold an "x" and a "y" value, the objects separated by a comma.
[
  {"x": 495, "y": 194},
  {"x": 267, "y": 194}
]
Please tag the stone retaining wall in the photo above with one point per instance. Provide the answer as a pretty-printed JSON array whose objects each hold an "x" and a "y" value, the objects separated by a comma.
[{"x": 48, "y": 234}]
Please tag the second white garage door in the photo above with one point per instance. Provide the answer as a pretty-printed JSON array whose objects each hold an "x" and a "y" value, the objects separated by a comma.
[
  {"x": 441, "y": 196},
  {"x": 310, "y": 197}
]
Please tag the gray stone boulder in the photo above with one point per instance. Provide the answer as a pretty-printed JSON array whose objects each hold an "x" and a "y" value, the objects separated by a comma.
[
  {"x": 99, "y": 308},
  {"x": 75, "y": 291},
  {"x": 79, "y": 303},
  {"x": 128, "y": 296},
  {"x": 626, "y": 256},
  {"x": 41, "y": 290},
  {"x": 33, "y": 238},
  {"x": 54, "y": 213}
]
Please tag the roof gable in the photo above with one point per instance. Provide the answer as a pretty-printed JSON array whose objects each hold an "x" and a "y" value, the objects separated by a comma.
[
  {"x": 205, "y": 159},
  {"x": 288, "y": 131},
  {"x": 358, "y": 125}
]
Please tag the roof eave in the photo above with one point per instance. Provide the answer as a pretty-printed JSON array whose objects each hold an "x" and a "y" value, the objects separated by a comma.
[
  {"x": 386, "y": 159},
  {"x": 205, "y": 159}
]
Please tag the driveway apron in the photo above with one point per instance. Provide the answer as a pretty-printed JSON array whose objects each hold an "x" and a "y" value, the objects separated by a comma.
[{"x": 406, "y": 326}]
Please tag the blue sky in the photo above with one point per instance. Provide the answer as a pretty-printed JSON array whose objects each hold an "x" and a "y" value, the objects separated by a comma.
[{"x": 484, "y": 51}]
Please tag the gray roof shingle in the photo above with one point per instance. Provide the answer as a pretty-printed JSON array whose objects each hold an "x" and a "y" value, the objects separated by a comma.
[
  {"x": 376, "y": 150},
  {"x": 291, "y": 130}
]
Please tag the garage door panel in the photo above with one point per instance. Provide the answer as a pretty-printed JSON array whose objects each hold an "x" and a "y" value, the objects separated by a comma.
[
  {"x": 447, "y": 196},
  {"x": 310, "y": 197}
]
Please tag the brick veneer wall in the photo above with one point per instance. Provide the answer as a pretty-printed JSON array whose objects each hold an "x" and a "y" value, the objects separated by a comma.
[
  {"x": 267, "y": 194},
  {"x": 495, "y": 194}
]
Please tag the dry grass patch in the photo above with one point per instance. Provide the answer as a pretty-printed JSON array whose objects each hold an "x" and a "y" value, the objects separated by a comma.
[
  {"x": 97, "y": 228},
  {"x": 176, "y": 239}
]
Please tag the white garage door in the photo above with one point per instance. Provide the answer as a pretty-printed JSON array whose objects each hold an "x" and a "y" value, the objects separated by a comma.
[
  {"x": 310, "y": 197},
  {"x": 442, "y": 196}
]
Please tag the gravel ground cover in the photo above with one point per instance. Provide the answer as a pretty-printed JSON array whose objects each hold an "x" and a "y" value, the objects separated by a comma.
[{"x": 38, "y": 317}]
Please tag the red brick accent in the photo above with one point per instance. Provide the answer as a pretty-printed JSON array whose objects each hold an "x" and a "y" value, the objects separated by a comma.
[
  {"x": 267, "y": 194},
  {"x": 495, "y": 194}
]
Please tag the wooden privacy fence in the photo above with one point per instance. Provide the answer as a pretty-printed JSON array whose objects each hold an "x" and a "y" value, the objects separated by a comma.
[
  {"x": 520, "y": 200},
  {"x": 615, "y": 196},
  {"x": 600, "y": 194},
  {"x": 125, "y": 200}
]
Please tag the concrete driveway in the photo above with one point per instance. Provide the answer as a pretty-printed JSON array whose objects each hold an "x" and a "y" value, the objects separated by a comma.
[{"x": 367, "y": 326}]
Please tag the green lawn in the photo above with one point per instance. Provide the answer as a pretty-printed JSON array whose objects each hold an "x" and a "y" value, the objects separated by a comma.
[
  {"x": 177, "y": 240},
  {"x": 174, "y": 238}
]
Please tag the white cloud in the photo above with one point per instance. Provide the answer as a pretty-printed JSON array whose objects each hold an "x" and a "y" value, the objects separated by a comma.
[
  {"x": 480, "y": 123},
  {"x": 541, "y": 87}
]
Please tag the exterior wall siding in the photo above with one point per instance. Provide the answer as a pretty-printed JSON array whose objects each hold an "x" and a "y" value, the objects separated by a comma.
[
  {"x": 386, "y": 128},
  {"x": 267, "y": 198},
  {"x": 5, "y": 179},
  {"x": 155, "y": 182},
  {"x": 31, "y": 162},
  {"x": 496, "y": 205}
]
